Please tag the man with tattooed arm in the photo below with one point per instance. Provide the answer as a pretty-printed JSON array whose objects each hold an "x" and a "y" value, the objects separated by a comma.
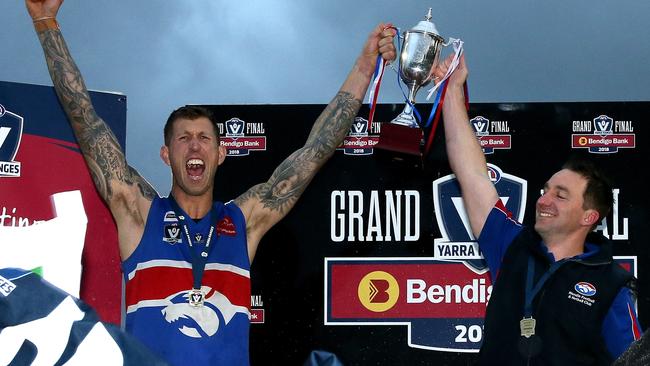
[{"x": 186, "y": 259}]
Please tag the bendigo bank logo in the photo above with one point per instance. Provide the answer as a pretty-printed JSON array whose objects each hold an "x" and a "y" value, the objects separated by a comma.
[
  {"x": 242, "y": 137},
  {"x": 11, "y": 130},
  {"x": 378, "y": 291}
]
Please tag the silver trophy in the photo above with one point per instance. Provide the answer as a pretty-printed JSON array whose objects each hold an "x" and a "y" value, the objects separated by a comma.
[{"x": 419, "y": 56}]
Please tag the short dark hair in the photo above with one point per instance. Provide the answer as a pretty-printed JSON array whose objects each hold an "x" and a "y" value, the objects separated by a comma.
[
  {"x": 190, "y": 112},
  {"x": 598, "y": 193}
]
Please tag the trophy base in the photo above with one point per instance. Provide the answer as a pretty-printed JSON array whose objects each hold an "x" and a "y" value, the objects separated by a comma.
[
  {"x": 406, "y": 119},
  {"x": 400, "y": 138}
]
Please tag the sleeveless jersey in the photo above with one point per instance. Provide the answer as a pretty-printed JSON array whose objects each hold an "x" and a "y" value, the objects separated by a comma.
[{"x": 158, "y": 276}]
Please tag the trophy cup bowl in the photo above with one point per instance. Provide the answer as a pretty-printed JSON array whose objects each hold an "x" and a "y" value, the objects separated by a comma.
[
  {"x": 419, "y": 56},
  {"x": 418, "y": 59}
]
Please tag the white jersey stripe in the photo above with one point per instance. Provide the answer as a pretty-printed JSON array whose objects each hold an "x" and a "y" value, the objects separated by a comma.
[{"x": 185, "y": 264}]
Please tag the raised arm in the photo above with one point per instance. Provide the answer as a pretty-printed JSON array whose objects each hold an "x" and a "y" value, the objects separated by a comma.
[
  {"x": 127, "y": 194},
  {"x": 265, "y": 204},
  {"x": 463, "y": 150}
]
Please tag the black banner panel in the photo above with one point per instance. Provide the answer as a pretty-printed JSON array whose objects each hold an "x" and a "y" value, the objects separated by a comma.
[{"x": 376, "y": 263}]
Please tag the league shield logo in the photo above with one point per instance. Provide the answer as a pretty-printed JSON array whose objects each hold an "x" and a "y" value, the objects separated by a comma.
[
  {"x": 235, "y": 127},
  {"x": 11, "y": 131},
  {"x": 481, "y": 125},
  {"x": 603, "y": 125},
  {"x": 458, "y": 242},
  {"x": 359, "y": 127},
  {"x": 172, "y": 234}
]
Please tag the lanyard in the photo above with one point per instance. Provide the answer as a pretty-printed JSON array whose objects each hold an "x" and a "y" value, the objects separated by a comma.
[
  {"x": 198, "y": 261},
  {"x": 532, "y": 291}
]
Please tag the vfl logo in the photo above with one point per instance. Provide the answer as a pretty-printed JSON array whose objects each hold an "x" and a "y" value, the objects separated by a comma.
[
  {"x": 172, "y": 234},
  {"x": 585, "y": 288},
  {"x": 378, "y": 291},
  {"x": 235, "y": 127},
  {"x": 360, "y": 139},
  {"x": 359, "y": 128},
  {"x": 488, "y": 142},
  {"x": 480, "y": 125},
  {"x": 11, "y": 131},
  {"x": 237, "y": 143},
  {"x": 458, "y": 241},
  {"x": 603, "y": 125}
]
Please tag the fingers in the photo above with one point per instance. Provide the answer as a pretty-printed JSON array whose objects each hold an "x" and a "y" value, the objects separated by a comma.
[{"x": 385, "y": 45}]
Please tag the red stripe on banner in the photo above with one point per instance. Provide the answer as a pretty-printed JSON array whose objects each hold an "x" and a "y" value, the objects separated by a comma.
[
  {"x": 636, "y": 332},
  {"x": 424, "y": 290},
  {"x": 157, "y": 283}
]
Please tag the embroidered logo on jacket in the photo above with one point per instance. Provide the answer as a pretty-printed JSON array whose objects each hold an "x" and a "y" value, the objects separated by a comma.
[
  {"x": 584, "y": 291},
  {"x": 585, "y": 288}
]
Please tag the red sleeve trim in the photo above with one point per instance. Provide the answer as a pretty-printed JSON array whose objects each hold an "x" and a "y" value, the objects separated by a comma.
[
  {"x": 636, "y": 332},
  {"x": 501, "y": 207}
]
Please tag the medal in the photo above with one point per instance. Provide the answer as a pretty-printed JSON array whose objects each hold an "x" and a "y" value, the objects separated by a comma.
[
  {"x": 196, "y": 297},
  {"x": 527, "y": 326}
]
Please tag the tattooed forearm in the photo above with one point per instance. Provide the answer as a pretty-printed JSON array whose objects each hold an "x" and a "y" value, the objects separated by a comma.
[
  {"x": 99, "y": 145},
  {"x": 292, "y": 176},
  {"x": 333, "y": 124}
]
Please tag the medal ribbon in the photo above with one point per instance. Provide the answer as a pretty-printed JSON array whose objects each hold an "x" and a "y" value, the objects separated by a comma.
[
  {"x": 198, "y": 261},
  {"x": 376, "y": 82},
  {"x": 531, "y": 291}
]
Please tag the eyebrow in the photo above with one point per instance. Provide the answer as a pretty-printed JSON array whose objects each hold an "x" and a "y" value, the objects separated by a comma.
[{"x": 558, "y": 187}]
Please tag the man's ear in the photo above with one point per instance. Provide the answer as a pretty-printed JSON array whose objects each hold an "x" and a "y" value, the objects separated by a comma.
[
  {"x": 590, "y": 217},
  {"x": 222, "y": 154},
  {"x": 164, "y": 154}
]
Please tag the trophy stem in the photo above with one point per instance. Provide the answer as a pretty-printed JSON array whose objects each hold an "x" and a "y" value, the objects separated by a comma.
[{"x": 407, "y": 118}]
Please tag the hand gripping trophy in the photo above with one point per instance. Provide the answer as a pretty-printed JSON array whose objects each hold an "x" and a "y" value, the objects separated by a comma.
[{"x": 419, "y": 56}]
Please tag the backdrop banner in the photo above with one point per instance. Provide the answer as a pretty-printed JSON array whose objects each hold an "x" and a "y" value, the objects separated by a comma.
[
  {"x": 45, "y": 181},
  {"x": 376, "y": 263}
]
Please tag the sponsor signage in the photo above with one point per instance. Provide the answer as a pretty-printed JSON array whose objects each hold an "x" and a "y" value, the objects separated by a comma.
[
  {"x": 606, "y": 137},
  {"x": 442, "y": 303},
  {"x": 242, "y": 137},
  {"x": 361, "y": 138},
  {"x": 491, "y": 135}
]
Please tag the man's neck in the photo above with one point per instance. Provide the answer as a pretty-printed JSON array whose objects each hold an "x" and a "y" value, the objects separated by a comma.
[
  {"x": 195, "y": 206},
  {"x": 566, "y": 246}
]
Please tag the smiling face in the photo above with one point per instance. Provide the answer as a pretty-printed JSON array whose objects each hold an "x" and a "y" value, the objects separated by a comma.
[
  {"x": 193, "y": 153},
  {"x": 560, "y": 210}
]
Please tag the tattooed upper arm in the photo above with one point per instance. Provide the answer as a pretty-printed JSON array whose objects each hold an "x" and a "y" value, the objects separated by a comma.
[{"x": 100, "y": 148}]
